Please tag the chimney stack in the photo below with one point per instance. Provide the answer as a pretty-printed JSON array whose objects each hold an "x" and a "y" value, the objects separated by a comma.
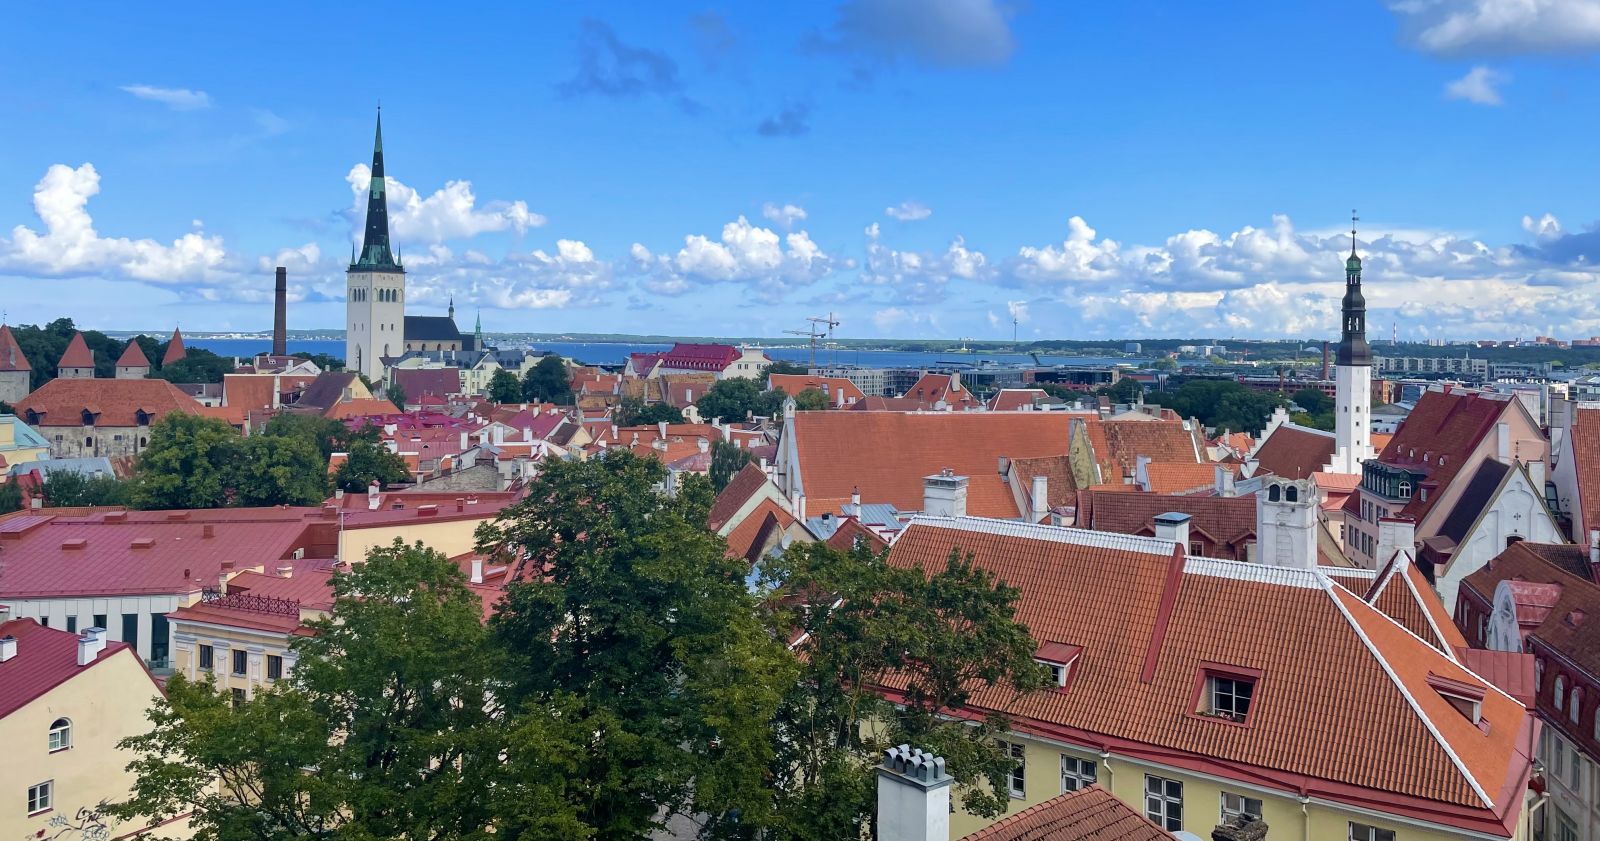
[
  {"x": 1396, "y": 534},
  {"x": 477, "y": 570},
  {"x": 8, "y": 648},
  {"x": 944, "y": 494},
  {"x": 1287, "y": 523},
  {"x": 1174, "y": 526},
  {"x": 280, "y": 314},
  {"x": 90, "y": 645},
  {"x": 913, "y": 796},
  {"x": 1225, "y": 481},
  {"x": 1040, "y": 501},
  {"x": 1325, "y": 346}
]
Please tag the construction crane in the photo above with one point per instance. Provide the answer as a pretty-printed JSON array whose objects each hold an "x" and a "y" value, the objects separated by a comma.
[{"x": 821, "y": 327}]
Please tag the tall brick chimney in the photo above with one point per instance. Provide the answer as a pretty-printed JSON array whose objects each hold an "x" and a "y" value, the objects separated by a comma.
[
  {"x": 1325, "y": 372},
  {"x": 280, "y": 314}
]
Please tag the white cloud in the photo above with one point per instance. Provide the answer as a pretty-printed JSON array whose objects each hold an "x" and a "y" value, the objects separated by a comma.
[
  {"x": 71, "y": 246},
  {"x": 1499, "y": 27},
  {"x": 1544, "y": 229},
  {"x": 178, "y": 99},
  {"x": 1018, "y": 310},
  {"x": 451, "y": 212},
  {"x": 921, "y": 275},
  {"x": 1077, "y": 258},
  {"x": 908, "y": 211},
  {"x": 745, "y": 253},
  {"x": 1480, "y": 86},
  {"x": 785, "y": 215}
]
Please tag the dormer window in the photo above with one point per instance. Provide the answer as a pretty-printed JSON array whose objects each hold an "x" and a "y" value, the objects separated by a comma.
[
  {"x": 1227, "y": 693},
  {"x": 1061, "y": 659},
  {"x": 1403, "y": 490}
]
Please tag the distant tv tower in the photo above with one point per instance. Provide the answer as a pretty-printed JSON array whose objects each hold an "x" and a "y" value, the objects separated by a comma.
[
  {"x": 1013, "y": 328},
  {"x": 1394, "y": 337}
]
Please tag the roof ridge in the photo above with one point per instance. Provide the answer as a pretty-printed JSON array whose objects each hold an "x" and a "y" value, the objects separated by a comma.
[
  {"x": 1405, "y": 693},
  {"x": 1255, "y": 572},
  {"x": 1054, "y": 534}
]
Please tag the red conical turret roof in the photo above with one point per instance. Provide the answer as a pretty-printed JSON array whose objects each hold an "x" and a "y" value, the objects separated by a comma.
[
  {"x": 11, "y": 356},
  {"x": 175, "y": 349},
  {"x": 77, "y": 355},
  {"x": 133, "y": 357}
]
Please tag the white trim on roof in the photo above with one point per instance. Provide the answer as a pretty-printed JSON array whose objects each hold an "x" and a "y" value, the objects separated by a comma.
[
  {"x": 1438, "y": 737},
  {"x": 1259, "y": 573},
  {"x": 1051, "y": 534}
]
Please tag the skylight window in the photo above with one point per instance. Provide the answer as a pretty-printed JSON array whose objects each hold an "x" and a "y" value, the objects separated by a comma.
[{"x": 1466, "y": 698}]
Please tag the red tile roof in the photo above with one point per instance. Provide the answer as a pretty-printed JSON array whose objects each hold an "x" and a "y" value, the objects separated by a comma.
[
  {"x": 744, "y": 484},
  {"x": 746, "y": 539},
  {"x": 1176, "y": 478},
  {"x": 832, "y": 387},
  {"x": 1547, "y": 594},
  {"x": 133, "y": 356},
  {"x": 1150, "y": 625},
  {"x": 1060, "y": 485},
  {"x": 1118, "y": 444},
  {"x": 1585, "y": 437},
  {"x": 887, "y": 454},
  {"x": 62, "y": 402},
  {"x": 175, "y": 349},
  {"x": 77, "y": 354},
  {"x": 416, "y": 382},
  {"x": 1295, "y": 452},
  {"x": 1014, "y": 399},
  {"x": 1404, "y": 595},
  {"x": 1438, "y": 436},
  {"x": 11, "y": 356},
  {"x": 1227, "y": 520},
  {"x": 45, "y": 659},
  {"x": 361, "y": 407},
  {"x": 1088, "y": 814},
  {"x": 696, "y": 357},
  {"x": 248, "y": 391},
  {"x": 941, "y": 388},
  {"x": 144, "y": 552},
  {"x": 850, "y": 532}
]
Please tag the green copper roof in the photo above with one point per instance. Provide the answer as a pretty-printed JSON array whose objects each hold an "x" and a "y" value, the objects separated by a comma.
[{"x": 376, "y": 255}]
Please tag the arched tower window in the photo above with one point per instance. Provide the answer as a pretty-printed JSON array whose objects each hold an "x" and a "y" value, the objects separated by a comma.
[
  {"x": 60, "y": 734},
  {"x": 1274, "y": 493},
  {"x": 1574, "y": 703},
  {"x": 1561, "y": 691},
  {"x": 1291, "y": 494}
]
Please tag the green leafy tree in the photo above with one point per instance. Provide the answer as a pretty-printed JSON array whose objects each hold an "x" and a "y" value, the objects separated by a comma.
[
  {"x": 1225, "y": 403},
  {"x": 322, "y": 360},
  {"x": 811, "y": 400},
  {"x": 326, "y": 434},
  {"x": 780, "y": 366},
  {"x": 365, "y": 462},
  {"x": 727, "y": 459},
  {"x": 276, "y": 470},
  {"x": 504, "y": 387},
  {"x": 731, "y": 400},
  {"x": 547, "y": 382},
  {"x": 643, "y": 630},
  {"x": 68, "y": 488},
  {"x": 632, "y": 411},
  {"x": 1165, "y": 363},
  {"x": 189, "y": 463},
  {"x": 198, "y": 365},
  {"x": 870, "y": 625},
  {"x": 393, "y": 702},
  {"x": 1124, "y": 390},
  {"x": 10, "y": 497},
  {"x": 396, "y": 394},
  {"x": 1313, "y": 401}
]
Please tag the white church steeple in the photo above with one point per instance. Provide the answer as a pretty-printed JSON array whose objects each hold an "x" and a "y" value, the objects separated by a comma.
[{"x": 1352, "y": 427}]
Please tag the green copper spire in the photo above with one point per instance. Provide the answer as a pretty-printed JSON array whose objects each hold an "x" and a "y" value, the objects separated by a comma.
[
  {"x": 477, "y": 329},
  {"x": 375, "y": 253},
  {"x": 1353, "y": 348}
]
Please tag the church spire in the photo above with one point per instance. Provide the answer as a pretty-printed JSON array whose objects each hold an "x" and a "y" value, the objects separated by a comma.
[
  {"x": 375, "y": 253},
  {"x": 1353, "y": 348},
  {"x": 452, "y": 308}
]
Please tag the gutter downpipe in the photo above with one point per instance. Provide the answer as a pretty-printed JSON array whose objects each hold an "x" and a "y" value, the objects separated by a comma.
[{"x": 1305, "y": 813}]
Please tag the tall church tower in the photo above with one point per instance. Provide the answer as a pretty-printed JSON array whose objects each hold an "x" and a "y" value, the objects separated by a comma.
[
  {"x": 375, "y": 285},
  {"x": 1352, "y": 430}
]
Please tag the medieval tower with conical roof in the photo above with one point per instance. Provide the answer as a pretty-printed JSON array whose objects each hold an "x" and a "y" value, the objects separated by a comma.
[
  {"x": 1352, "y": 424},
  {"x": 375, "y": 285}
]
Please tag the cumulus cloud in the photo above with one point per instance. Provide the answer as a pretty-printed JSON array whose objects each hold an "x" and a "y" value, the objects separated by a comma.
[
  {"x": 745, "y": 253},
  {"x": 921, "y": 275},
  {"x": 1481, "y": 86},
  {"x": 70, "y": 246},
  {"x": 948, "y": 33},
  {"x": 785, "y": 215},
  {"x": 908, "y": 211},
  {"x": 451, "y": 212},
  {"x": 1499, "y": 27},
  {"x": 178, "y": 99}
]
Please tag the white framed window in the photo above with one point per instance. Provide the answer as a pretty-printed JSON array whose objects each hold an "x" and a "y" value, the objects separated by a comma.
[
  {"x": 1228, "y": 697},
  {"x": 1561, "y": 691},
  {"x": 1234, "y": 805},
  {"x": 1017, "y": 781},
  {"x": 1363, "y": 832},
  {"x": 1077, "y": 773},
  {"x": 41, "y": 797},
  {"x": 1574, "y": 703},
  {"x": 60, "y": 734},
  {"x": 1163, "y": 802}
]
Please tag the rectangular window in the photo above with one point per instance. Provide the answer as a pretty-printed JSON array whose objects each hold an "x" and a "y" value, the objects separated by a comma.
[
  {"x": 72, "y": 624},
  {"x": 1234, "y": 805},
  {"x": 274, "y": 667},
  {"x": 160, "y": 638},
  {"x": 44, "y": 621},
  {"x": 1077, "y": 773},
  {"x": 207, "y": 658},
  {"x": 130, "y": 629},
  {"x": 100, "y": 621},
  {"x": 238, "y": 697},
  {"x": 241, "y": 660},
  {"x": 40, "y": 797},
  {"x": 1163, "y": 802},
  {"x": 1018, "y": 780},
  {"x": 1228, "y": 697},
  {"x": 1362, "y": 832}
]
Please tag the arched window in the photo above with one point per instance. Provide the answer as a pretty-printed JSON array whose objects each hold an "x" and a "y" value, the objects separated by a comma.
[
  {"x": 1538, "y": 673},
  {"x": 1405, "y": 489},
  {"x": 1291, "y": 494},
  {"x": 1574, "y": 704},
  {"x": 60, "y": 734},
  {"x": 1597, "y": 723},
  {"x": 1561, "y": 691},
  {"x": 1273, "y": 493}
]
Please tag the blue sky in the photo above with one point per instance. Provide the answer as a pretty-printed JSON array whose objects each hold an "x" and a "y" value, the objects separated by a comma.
[{"x": 921, "y": 168}]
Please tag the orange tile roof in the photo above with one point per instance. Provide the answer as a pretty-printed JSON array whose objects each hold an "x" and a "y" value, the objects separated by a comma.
[
  {"x": 361, "y": 407},
  {"x": 77, "y": 354},
  {"x": 934, "y": 388},
  {"x": 1150, "y": 624},
  {"x": 175, "y": 349},
  {"x": 1585, "y": 438},
  {"x": 1060, "y": 485},
  {"x": 1175, "y": 478},
  {"x": 887, "y": 454},
  {"x": 1088, "y": 814},
  {"x": 1404, "y": 595},
  {"x": 740, "y": 488},
  {"x": 832, "y": 387},
  {"x": 1013, "y": 399},
  {"x": 1118, "y": 444},
  {"x": 248, "y": 391},
  {"x": 1295, "y": 452},
  {"x": 745, "y": 537},
  {"x": 1438, "y": 436},
  {"x": 62, "y": 402},
  {"x": 133, "y": 356},
  {"x": 11, "y": 356}
]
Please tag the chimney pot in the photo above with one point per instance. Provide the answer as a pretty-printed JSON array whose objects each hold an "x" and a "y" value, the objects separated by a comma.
[
  {"x": 477, "y": 570},
  {"x": 286, "y": 571},
  {"x": 913, "y": 796},
  {"x": 90, "y": 645},
  {"x": 1174, "y": 526},
  {"x": 1039, "y": 497}
]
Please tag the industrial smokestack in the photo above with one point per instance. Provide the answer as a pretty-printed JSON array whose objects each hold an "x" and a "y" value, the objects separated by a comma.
[
  {"x": 1324, "y": 360},
  {"x": 280, "y": 314}
]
